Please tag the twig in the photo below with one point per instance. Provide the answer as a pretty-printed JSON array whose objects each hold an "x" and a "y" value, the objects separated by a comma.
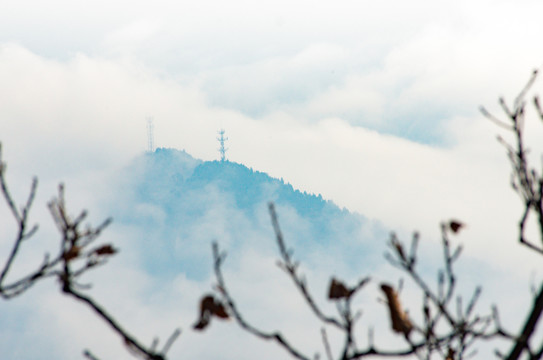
[
  {"x": 529, "y": 185},
  {"x": 291, "y": 269},
  {"x": 218, "y": 258},
  {"x": 89, "y": 355},
  {"x": 170, "y": 341},
  {"x": 73, "y": 250},
  {"x": 73, "y": 245},
  {"x": 129, "y": 341},
  {"x": 20, "y": 217},
  {"x": 528, "y": 327},
  {"x": 327, "y": 348}
]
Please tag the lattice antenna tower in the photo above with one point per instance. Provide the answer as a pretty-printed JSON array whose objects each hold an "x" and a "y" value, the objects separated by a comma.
[
  {"x": 150, "y": 135},
  {"x": 222, "y": 139}
]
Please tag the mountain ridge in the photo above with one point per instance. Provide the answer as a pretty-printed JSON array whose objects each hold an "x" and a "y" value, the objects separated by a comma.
[{"x": 188, "y": 203}]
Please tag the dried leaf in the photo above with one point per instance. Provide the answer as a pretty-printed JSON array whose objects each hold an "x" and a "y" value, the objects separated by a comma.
[
  {"x": 201, "y": 324},
  {"x": 220, "y": 311},
  {"x": 338, "y": 290},
  {"x": 72, "y": 253},
  {"x": 209, "y": 306},
  {"x": 105, "y": 250},
  {"x": 400, "y": 320},
  {"x": 206, "y": 305},
  {"x": 455, "y": 226}
]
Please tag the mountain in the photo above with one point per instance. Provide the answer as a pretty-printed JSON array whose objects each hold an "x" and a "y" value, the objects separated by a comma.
[{"x": 181, "y": 204}]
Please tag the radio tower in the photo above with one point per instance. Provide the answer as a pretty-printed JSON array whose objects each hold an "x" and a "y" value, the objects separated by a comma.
[
  {"x": 150, "y": 135},
  {"x": 222, "y": 139}
]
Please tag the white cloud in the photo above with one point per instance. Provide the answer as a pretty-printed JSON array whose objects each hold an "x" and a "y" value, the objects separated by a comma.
[
  {"x": 97, "y": 108},
  {"x": 250, "y": 60},
  {"x": 311, "y": 71},
  {"x": 132, "y": 36}
]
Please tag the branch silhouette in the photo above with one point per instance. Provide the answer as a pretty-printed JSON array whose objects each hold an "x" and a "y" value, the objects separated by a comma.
[
  {"x": 76, "y": 256},
  {"x": 449, "y": 329},
  {"x": 527, "y": 182}
]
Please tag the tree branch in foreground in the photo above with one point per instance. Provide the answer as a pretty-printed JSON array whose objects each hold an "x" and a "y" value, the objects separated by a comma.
[
  {"x": 527, "y": 182},
  {"x": 75, "y": 257},
  {"x": 442, "y": 332}
]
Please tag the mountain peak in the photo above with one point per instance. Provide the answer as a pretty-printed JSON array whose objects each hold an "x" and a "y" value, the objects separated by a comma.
[{"x": 185, "y": 201}]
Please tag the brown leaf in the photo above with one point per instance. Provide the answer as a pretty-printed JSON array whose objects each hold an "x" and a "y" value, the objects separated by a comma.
[
  {"x": 207, "y": 304},
  {"x": 201, "y": 324},
  {"x": 338, "y": 290},
  {"x": 72, "y": 253},
  {"x": 455, "y": 226},
  {"x": 210, "y": 306},
  {"x": 400, "y": 320},
  {"x": 105, "y": 250},
  {"x": 220, "y": 311}
]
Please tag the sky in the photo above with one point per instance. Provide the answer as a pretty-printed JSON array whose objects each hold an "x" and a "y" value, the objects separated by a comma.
[{"x": 374, "y": 105}]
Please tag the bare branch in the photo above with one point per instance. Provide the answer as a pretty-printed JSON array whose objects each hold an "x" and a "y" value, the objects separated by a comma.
[
  {"x": 72, "y": 261},
  {"x": 291, "y": 270},
  {"x": 74, "y": 242},
  {"x": 494, "y": 119},
  {"x": 528, "y": 328},
  {"x": 221, "y": 285},
  {"x": 129, "y": 341},
  {"x": 89, "y": 355},
  {"x": 170, "y": 341},
  {"x": 326, "y": 344}
]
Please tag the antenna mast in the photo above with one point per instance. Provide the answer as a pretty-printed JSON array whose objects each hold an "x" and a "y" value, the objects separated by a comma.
[
  {"x": 222, "y": 139},
  {"x": 150, "y": 135}
]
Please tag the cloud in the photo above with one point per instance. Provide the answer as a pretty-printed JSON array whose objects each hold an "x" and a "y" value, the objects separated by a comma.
[
  {"x": 372, "y": 107},
  {"x": 326, "y": 61},
  {"x": 87, "y": 109}
]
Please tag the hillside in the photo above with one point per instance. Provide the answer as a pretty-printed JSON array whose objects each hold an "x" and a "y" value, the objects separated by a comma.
[{"x": 182, "y": 204}]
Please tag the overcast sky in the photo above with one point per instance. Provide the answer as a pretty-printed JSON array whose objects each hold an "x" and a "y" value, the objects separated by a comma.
[{"x": 374, "y": 105}]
